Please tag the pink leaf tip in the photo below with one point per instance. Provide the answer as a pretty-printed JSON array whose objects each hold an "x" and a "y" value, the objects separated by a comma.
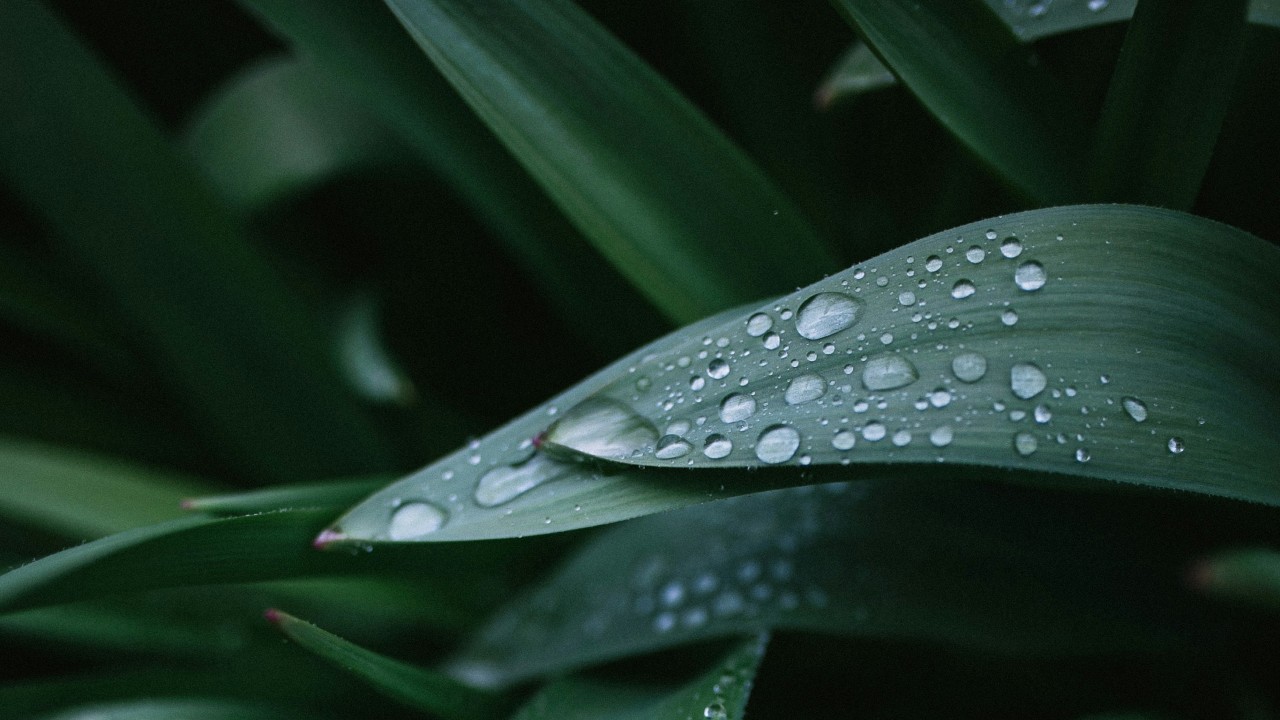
[
  {"x": 273, "y": 616},
  {"x": 328, "y": 536}
]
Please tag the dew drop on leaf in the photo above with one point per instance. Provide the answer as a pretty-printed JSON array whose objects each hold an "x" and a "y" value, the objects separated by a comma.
[
  {"x": 941, "y": 436},
  {"x": 1042, "y": 414},
  {"x": 777, "y": 444},
  {"x": 844, "y": 440},
  {"x": 1082, "y": 455},
  {"x": 969, "y": 367},
  {"x": 759, "y": 324},
  {"x": 671, "y": 447},
  {"x": 504, "y": 483},
  {"x": 888, "y": 372},
  {"x": 1011, "y": 247},
  {"x": 873, "y": 431},
  {"x": 1024, "y": 443},
  {"x": 826, "y": 314},
  {"x": 975, "y": 254},
  {"x": 718, "y": 369},
  {"x": 1176, "y": 445},
  {"x": 933, "y": 263},
  {"x": 415, "y": 519},
  {"x": 737, "y": 407},
  {"x": 804, "y": 388},
  {"x": 1026, "y": 380},
  {"x": 1009, "y": 317},
  {"x": 772, "y": 341},
  {"x": 1030, "y": 276},
  {"x": 1135, "y": 408},
  {"x": 963, "y": 289},
  {"x": 717, "y": 446},
  {"x": 603, "y": 427},
  {"x": 902, "y": 438}
]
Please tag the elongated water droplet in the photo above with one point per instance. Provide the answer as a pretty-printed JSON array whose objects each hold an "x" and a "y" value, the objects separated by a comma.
[
  {"x": 888, "y": 372},
  {"x": 1027, "y": 380},
  {"x": 1030, "y": 275},
  {"x": 602, "y": 427},
  {"x": 415, "y": 519},
  {"x": 1176, "y": 445},
  {"x": 759, "y": 324},
  {"x": 737, "y": 407},
  {"x": 805, "y": 388},
  {"x": 777, "y": 444},
  {"x": 505, "y": 483},
  {"x": 1135, "y": 408},
  {"x": 963, "y": 289},
  {"x": 718, "y": 369},
  {"x": 969, "y": 367},
  {"x": 844, "y": 440},
  {"x": 1011, "y": 247},
  {"x": 826, "y": 314},
  {"x": 1024, "y": 443},
  {"x": 717, "y": 446},
  {"x": 671, "y": 447}
]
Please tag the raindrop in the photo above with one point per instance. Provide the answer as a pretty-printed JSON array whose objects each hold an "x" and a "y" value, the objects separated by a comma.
[
  {"x": 1009, "y": 317},
  {"x": 671, "y": 447},
  {"x": 718, "y": 369},
  {"x": 873, "y": 431},
  {"x": 1024, "y": 443},
  {"x": 941, "y": 436},
  {"x": 991, "y": 235},
  {"x": 907, "y": 298},
  {"x": 1027, "y": 380},
  {"x": 1082, "y": 455},
  {"x": 940, "y": 397},
  {"x": 969, "y": 367},
  {"x": 805, "y": 388},
  {"x": 902, "y": 438},
  {"x": 504, "y": 483},
  {"x": 717, "y": 446},
  {"x": 1030, "y": 275},
  {"x": 715, "y": 711},
  {"x": 1043, "y": 414},
  {"x": 826, "y": 314},
  {"x": 415, "y": 519},
  {"x": 772, "y": 341},
  {"x": 888, "y": 372},
  {"x": 975, "y": 254},
  {"x": 602, "y": 427},
  {"x": 933, "y": 263},
  {"x": 1176, "y": 445},
  {"x": 1135, "y": 407},
  {"x": 962, "y": 289},
  {"x": 737, "y": 407},
  {"x": 1011, "y": 247},
  {"x": 778, "y": 443},
  {"x": 844, "y": 440},
  {"x": 759, "y": 324}
]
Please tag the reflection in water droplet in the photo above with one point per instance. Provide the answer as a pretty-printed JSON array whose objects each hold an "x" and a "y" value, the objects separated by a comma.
[
  {"x": 415, "y": 519},
  {"x": 1176, "y": 445},
  {"x": 1135, "y": 407},
  {"x": 1011, "y": 247},
  {"x": 1026, "y": 380},
  {"x": 933, "y": 263},
  {"x": 737, "y": 407},
  {"x": 506, "y": 482},
  {"x": 963, "y": 289},
  {"x": 975, "y": 254},
  {"x": 888, "y": 372},
  {"x": 969, "y": 367},
  {"x": 941, "y": 436},
  {"x": 826, "y": 314},
  {"x": 844, "y": 440},
  {"x": 1030, "y": 275},
  {"x": 777, "y": 444},
  {"x": 717, "y": 446},
  {"x": 873, "y": 431},
  {"x": 602, "y": 427},
  {"x": 759, "y": 324},
  {"x": 718, "y": 369},
  {"x": 805, "y": 388},
  {"x": 1009, "y": 317},
  {"x": 1024, "y": 443},
  {"x": 671, "y": 447},
  {"x": 1083, "y": 455}
]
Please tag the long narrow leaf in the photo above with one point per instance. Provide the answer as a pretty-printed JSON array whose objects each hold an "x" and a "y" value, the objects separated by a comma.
[{"x": 174, "y": 709}]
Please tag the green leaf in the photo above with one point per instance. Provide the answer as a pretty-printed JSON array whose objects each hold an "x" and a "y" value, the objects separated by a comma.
[
  {"x": 174, "y": 709},
  {"x": 719, "y": 694},
  {"x": 1167, "y": 100},
  {"x": 416, "y": 687},
  {"x": 230, "y": 338},
  {"x": 985, "y": 566},
  {"x": 974, "y": 76},
  {"x": 364, "y": 358},
  {"x": 1035, "y": 19},
  {"x": 281, "y": 127},
  {"x": 682, "y": 213},
  {"x": 1131, "y": 362},
  {"x": 856, "y": 72},
  {"x": 1250, "y": 575},
  {"x": 334, "y": 494},
  {"x": 82, "y": 495},
  {"x": 119, "y": 629}
]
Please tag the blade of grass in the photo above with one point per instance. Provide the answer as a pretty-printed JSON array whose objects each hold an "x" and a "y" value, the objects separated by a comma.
[
  {"x": 333, "y": 495},
  {"x": 1034, "y": 20},
  {"x": 683, "y": 214},
  {"x": 856, "y": 72},
  {"x": 971, "y": 73},
  {"x": 1141, "y": 359},
  {"x": 415, "y": 687},
  {"x": 176, "y": 708},
  {"x": 280, "y": 127},
  {"x": 1167, "y": 100},
  {"x": 1250, "y": 575},
  {"x": 228, "y": 336}
]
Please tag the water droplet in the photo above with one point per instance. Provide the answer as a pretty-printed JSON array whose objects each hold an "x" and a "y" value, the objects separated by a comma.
[
  {"x": 718, "y": 369},
  {"x": 643, "y": 383},
  {"x": 715, "y": 711},
  {"x": 991, "y": 235},
  {"x": 1043, "y": 414},
  {"x": 888, "y": 372},
  {"x": 975, "y": 254},
  {"x": 1027, "y": 380},
  {"x": 671, "y": 447},
  {"x": 759, "y": 324},
  {"x": 826, "y": 314},
  {"x": 933, "y": 263},
  {"x": 1082, "y": 455},
  {"x": 506, "y": 482},
  {"x": 1135, "y": 407},
  {"x": 672, "y": 594},
  {"x": 963, "y": 289},
  {"x": 697, "y": 383},
  {"x": 415, "y": 519},
  {"x": 1011, "y": 247},
  {"x": 940, "y": 397},
  {"x": 902, "y": 438},
  {"x": 1030, "y": 275},
  {"x": 873, "y": 431},
  {"x": 844, "y": 440},
  {"x": 664, "y": 622},
  {"x": 907, "y": 298},
  {"x": 717, "y": 446},
  {"x": 1009, "y": 317},
  {"x": 941, "y": 436},
  {"x": 772, "y": 341},
  {"x": 777, "y": 444},
  {"x": 737, "y": 407},
  {"x": 602, "y": 427},
  {"x": 969, "y": 367},
  {"x": 1176, "y": 445},
  {"x": 805, "y": 388},
  {"x": 1024, "y": 443},
  {"x": 1098, "y": 5}
]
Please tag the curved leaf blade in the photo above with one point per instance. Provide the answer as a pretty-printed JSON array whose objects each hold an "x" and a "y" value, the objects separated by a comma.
[
  {"x": 643, "y": 175},
  {"x": 171, "y": 708},
  {"x": 856, "y": 72},
  {"x": 335, "y": 495}
]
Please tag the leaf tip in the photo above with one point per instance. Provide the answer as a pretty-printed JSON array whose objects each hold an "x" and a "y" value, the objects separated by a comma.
[
  {"x": 273, "y": 616},
  {"x": 328, "y": 537}
]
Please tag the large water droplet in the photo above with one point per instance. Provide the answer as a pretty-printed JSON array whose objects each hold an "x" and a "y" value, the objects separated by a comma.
[
  {"x": 888, "y": 372},
  {"x": 805, "y": 388},
  {"x": 1135, "y": 407},
  {"x": 759, "y": 324},
  {"x": 1027, "y": 380},
  {"x": 717, "y": 446},
  {"x": 602, "y": 427},
  {"x": 1024, "y": 443},
  {"x": 671, "y": 447},
  {"x": 777, "y": 444},
  {"x": 963, "y": 289},
  {"x": 1030, "y": 275},
  {"x": 506, "y": 482},
  {"x": 969, "y": 367},
  {"x": 737, "y": 407},
  {"x": 415, "y": 519},
  {"x": 718, "y": 369},
  {"x": 826, "y": 314}
]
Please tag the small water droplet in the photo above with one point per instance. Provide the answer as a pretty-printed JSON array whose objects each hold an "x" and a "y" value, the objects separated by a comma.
[
  {"x": 664, "y": 622},
  {"x": 991, "y": 235},
  {"x": 1026, "y": 380},
  {"x": 602, "y": 427},
  {"x": 737, "y": 407},
  {"x": 643, "y": 383},
  {"x": 697, "y": 383},
  {"x": 902, "y": 438},
  {"x": 888, "y": 372},
  {"x": 874, "y": 431},
  {"x": 415, "y": 519},
  {"x": 718, "y": 369},
  {"x": 1135, "y": 408},
  {"x": 1030, "y": 276},
  {"x": 772, "y": 341},
  {"x": 969, "y": 367},
  {"x": 933, "y": 263},
  {"x": 907, "y": 298},
  {"x": 826, "y": 314},
  {"x": 715, "y": 711},
  {"x": 882, "y": 281},
  {"x": 940, "y": 397},
  {"x": 1176, "y": 445},
  {"x": 671, "y": 447},
  {"x": 504, "y": 483},
  {"x": 941, "y": 436},
  {"x": 717, "y": 446},
  {"x": 804, "y": 388},
  {"x": 963, "y": 289},
  {"x": 1043, "y": 414},
  {"x": 844, "y": 440},
  {"x": 1011, "y": 247},
  {"x": 759, "y": 324},
  {"x": 1098, "y": 5},
  {"x": 672, "y": 594},
  {"x": 1024, "y": 443},
  {"x": 1009, "y": 317},
  {"x": 777, "y": 444},
  {"x": 975, "y": 254},
  {"x": 1082, "y": 455}
]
